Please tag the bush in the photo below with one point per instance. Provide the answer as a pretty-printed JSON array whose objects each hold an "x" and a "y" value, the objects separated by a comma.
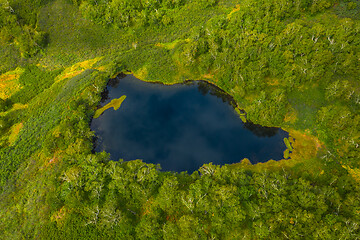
[
  {"x": 5, "y": 104},
  {"x": 4, "y": 125},
  {"x": 351, "y": 5},
  {"x": 2, "y": 105}
]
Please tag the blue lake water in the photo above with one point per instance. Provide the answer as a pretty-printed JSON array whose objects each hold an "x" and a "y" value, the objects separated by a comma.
[{"x": 181, "y": 127}]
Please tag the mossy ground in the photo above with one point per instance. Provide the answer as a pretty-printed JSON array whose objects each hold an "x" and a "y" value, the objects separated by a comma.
[{"x": 115, "y": 103}]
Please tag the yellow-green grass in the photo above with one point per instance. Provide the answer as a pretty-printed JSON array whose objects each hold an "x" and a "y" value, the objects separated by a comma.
[
  {"x": 171, "y": 45},
  {"x": 9, "y": 83},
  {"x": 354, "y": 172},
  {"x": 236, "y": 9},
  {"x": 15, "y": 129},
  {"x": 241, "y": 115},
  {"x": 77, "y": 69},
  {"x": 115, "y": 103},
  {"x": 16, "y": 106},
  {"x": 305, "y": 148}
]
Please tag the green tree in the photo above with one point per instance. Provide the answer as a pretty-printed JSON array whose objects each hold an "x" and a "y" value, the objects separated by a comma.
[
  {"x": 3, "y": 105},
  {"x": 4, "y": 124}
]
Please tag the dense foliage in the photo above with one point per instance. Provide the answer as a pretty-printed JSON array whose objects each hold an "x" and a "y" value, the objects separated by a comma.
[
  {"x": 292, "y": 64},
  {"x": 20, "y": 31},
  {"x": 126, "y": 13}
]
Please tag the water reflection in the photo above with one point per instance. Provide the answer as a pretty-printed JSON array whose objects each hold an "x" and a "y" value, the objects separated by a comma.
[
  {"x": 180, "y": 128},
  {"x": 208, "y": 88},
  {"x": 261, "y": 131}
]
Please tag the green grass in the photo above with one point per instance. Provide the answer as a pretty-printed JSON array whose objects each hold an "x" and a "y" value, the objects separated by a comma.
[
  {"x": 33, "y": 81},
  {"x": 306, "y": 106},
  {"x": 44, "y": 112},
  {"x": 342, "y": 9},
  {"x": 79, "y": 40},
  {"x": 9, "y": 58}
]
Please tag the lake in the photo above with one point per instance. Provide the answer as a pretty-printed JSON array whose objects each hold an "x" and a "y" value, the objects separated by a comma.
[{"x": 181, "y": 127}]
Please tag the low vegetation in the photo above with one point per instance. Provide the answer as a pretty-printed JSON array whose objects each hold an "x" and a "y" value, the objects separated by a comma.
[{"x": 115, "y": 103}]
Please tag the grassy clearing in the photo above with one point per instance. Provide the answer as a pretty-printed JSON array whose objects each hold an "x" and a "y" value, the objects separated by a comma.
[
  {"x": 15, "y": 129},
  {"x": 73, "y": 39},
  {"x": 304, "y": 105},
  {"x": 172, "y": 45},
  {"x": 77, "y": 69},
  {"x": 115, "y": 103},
  {"x": 42, "y": 110},
  {"x": 9, "y": 83},
  {"x": 291, "y": 116}
]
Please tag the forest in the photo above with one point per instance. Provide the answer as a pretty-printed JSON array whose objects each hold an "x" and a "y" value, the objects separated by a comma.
[{"x": 288, "y": 64}]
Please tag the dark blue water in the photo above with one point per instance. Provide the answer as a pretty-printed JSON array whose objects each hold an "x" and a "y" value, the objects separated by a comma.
[{"x": 181, "y": 127}]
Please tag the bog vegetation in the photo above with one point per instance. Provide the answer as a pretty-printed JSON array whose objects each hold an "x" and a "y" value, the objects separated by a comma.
[
  {"x": 115, "y": 104},
  {"x": 291, "y": 64}
]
